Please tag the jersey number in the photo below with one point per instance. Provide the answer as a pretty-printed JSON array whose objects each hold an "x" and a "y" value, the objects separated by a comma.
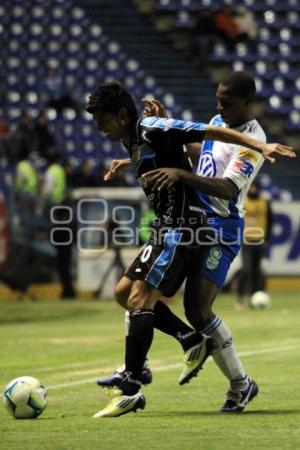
[{"x": 146, "y": 253}]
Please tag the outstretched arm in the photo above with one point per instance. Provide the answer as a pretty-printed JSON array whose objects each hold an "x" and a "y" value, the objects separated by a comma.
[
  {"x": 234, "y": 137},
  {"x": 196, "y": 133}
]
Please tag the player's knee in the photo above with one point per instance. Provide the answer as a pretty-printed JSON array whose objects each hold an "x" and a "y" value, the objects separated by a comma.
[
  {"x": 122, "y": 291},
  {"x": 140, "y": 297},
  {"x": 198, "y": 315}
]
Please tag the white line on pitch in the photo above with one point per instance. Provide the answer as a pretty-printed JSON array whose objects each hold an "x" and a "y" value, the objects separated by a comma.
[
  {"x": 92, "y": 365},
  {"x": 178, "y": 365}
]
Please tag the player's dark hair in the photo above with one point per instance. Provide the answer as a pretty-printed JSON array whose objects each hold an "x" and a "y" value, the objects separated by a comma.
[
  {"x": 241, "y": 84},
  {"x": 109, "y": 98}
]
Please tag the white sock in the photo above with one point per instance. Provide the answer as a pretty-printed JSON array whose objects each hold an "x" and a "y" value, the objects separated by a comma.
[
  {"x": 226, "y": 356},
  {"x": 127, "y": 324}
]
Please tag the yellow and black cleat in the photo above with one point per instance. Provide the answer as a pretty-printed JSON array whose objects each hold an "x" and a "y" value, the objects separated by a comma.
[{"x": 122, "y": 404}]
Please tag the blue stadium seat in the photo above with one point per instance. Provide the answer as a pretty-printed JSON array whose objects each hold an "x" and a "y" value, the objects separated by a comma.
[
  {"x": 277, "y": 105},
  {"x": 35, "y": 35},
  {"x": 184, "y": 19},
  {"x": 293, "y": 122},
  {"x": 263, "y": 88}
]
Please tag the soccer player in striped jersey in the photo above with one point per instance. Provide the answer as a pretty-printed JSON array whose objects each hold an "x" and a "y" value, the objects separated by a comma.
[
  {"x": 223, "y": 177},
  {"x": 160, "y": 267}
]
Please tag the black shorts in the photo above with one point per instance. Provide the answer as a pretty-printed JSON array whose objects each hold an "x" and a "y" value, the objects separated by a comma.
[{"x": 163, "y": 264}]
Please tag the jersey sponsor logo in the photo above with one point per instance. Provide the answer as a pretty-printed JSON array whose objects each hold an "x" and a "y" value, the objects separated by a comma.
[
  {"x": 207, "y": 166},
  {"x": 214, "y": 258},
  {"x": 243, "y": 167},
  {"x": 248, "y": 154},
  {"x": 227, "y": 343}
]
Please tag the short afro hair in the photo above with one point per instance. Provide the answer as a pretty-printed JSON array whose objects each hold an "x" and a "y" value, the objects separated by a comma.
[
  {"x": 109, "y": 98},
  {"x": 241, "y": 84}
]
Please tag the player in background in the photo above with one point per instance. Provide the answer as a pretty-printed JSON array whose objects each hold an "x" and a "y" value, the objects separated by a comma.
[
  {"x": 223, "y": 177},
  {"x": 258, "y": 224}
]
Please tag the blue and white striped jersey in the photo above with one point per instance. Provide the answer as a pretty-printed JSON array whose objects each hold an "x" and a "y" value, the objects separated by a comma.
[{"x": 237, "y": 163}]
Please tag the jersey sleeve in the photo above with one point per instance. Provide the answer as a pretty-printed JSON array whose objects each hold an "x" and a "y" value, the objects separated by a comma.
[
  {"x": 245, "y": 162},
  {"x": 243, "y": 166},
  {"x": 173, "y": 130}
]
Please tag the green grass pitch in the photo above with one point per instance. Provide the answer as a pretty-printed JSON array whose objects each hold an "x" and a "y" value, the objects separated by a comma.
[{"x": 68, "y": 345}]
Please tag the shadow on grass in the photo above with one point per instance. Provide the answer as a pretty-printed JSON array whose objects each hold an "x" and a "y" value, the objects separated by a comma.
[{"x": 275, "y": 412}]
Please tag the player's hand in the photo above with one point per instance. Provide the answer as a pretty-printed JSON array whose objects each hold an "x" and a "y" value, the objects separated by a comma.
[
  {"x": 153, "y": 107},
  {"x": 162, "y": 178},
  {"x": 270, "y": 150},
  {"x": 115, "y": 166}
]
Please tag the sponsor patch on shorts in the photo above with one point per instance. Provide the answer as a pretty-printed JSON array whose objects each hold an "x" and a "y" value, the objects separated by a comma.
[{"x": 214, "y": 258}]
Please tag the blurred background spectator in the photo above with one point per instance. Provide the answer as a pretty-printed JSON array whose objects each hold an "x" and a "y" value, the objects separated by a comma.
[
  {"x": 55, "y": 92},
  {"x": 43, "y": 138},
  {"x": 245, "y": 22},
  {"x": 226, "y": 26},
  {"x": 60, "y": 214},
  {"x": 85, "y": 175},
  {"x": 22, "y": 138}
]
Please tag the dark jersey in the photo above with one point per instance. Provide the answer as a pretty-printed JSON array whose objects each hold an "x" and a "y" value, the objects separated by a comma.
[{"x": 157, "y": 143}]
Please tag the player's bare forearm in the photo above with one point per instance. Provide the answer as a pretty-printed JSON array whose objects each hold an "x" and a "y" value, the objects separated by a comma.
[
  {"x": 194, "y": 152},
  {"x": 234, "y": 137},
  {"x": 163, "y": 178},
  {"x": 217, "y": 187}
]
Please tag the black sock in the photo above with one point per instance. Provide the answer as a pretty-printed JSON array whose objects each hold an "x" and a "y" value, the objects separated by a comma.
[
  {"x": 166, "y": 321},
  {"x": 138, "y": 343}
]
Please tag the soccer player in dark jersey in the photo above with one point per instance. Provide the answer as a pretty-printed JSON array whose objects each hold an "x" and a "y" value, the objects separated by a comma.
[{"x": 160, "y": 267}]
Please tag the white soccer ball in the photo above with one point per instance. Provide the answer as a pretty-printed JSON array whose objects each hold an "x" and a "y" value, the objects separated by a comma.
[
  {"x": 260, "y": 300},
  {"x": 25, "y": 398}
]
